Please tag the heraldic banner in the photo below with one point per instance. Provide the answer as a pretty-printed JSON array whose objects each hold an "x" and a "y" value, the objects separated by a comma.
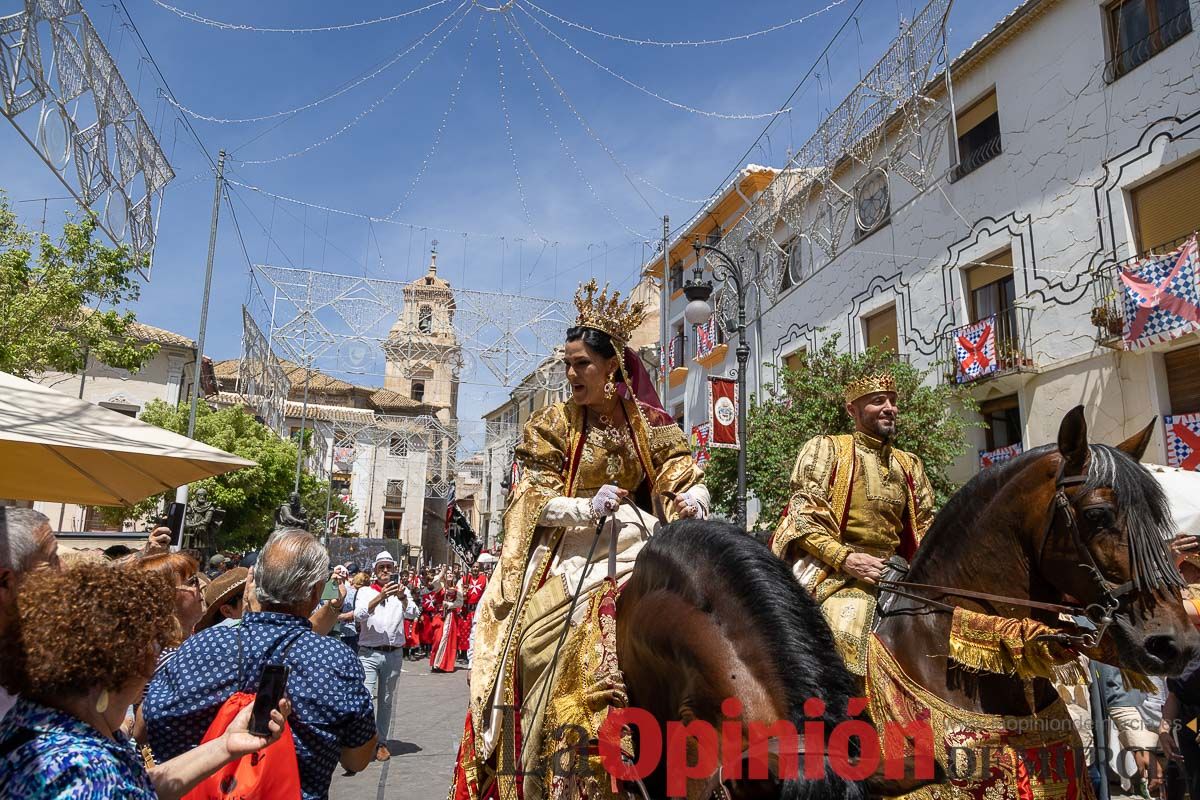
[
  {"x": 701, "y": 434},
  {"x": 975, "y": 350},
  {"x": 723, "y": 412},
  {"x": 706, "y": 338},
  {"x": 990, "y": 458},
  {"x": 1183, "y": 440},
  {"x": 1161, "y": 297}
]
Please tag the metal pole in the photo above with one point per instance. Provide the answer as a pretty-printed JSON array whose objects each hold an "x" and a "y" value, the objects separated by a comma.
[
  {"x": 303, "y": 417},
  {"x": 743, "y": 356},
  {"x": 329, "y": 491},
  {"x": 181, "y": 494},
  {"x": 662, "y": 306}
]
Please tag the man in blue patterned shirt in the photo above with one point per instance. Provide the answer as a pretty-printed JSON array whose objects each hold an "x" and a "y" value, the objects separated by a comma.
[{"x": 332, "y": 715}]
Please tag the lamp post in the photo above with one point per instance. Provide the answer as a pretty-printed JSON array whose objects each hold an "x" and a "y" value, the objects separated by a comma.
[{"x": 698, "y": 312}]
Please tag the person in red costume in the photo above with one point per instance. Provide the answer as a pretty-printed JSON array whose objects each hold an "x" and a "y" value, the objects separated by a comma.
[
  {"x": 445, "y": 650},
  {"x": 431, "y": 604},
  {"x": 473, "y": 585}
]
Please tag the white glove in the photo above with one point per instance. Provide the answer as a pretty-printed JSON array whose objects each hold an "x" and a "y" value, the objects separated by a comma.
[
  {"x": 606, "y": 501},
  {"x": 695, "y": 502}
]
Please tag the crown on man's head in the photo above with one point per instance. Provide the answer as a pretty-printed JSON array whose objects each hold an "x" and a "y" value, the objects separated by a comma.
[
  {"x": 608, "y": 313},
  {"x": 870, "y": 384}
]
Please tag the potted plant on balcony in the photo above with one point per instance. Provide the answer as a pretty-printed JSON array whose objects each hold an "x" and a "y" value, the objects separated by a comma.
[
  {"x": 1107, "y": 319},
  {"x": 1010, "y": 356}
]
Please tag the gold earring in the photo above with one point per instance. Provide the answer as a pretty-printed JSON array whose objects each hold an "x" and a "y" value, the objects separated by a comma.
[
  {"x": 610, "y": 388},
  {"x": 102, "y": 702}
]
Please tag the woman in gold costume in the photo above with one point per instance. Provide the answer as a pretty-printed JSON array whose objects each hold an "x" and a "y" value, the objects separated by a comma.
[{"x": 543, "y": 675}]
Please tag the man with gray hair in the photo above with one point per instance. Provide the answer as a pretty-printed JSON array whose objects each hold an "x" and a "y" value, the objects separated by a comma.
[
  {"x": 26, "y": 543},
  {"x": 332, "y": 717}
]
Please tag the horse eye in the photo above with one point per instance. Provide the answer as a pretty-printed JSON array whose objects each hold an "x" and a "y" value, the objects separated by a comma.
[{"x": 1100, "y": 517}]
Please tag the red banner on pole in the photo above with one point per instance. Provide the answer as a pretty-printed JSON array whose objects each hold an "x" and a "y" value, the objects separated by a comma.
[{"x": 723, "y": 411}]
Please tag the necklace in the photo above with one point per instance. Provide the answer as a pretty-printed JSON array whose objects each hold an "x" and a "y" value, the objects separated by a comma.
[{"x": 615, "y": 440}]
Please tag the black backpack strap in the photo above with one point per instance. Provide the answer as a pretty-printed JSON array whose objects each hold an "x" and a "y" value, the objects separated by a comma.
[
  {"x": 22, "y": 737},
  {"x": 289, "y": 638}
]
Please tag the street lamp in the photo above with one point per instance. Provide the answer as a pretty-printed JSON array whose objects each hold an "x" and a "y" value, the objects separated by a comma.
[{"x": 698, "y": 312}]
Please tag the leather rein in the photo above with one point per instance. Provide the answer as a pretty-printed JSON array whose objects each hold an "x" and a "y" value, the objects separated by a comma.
[{"x": 1099, "y": 612}]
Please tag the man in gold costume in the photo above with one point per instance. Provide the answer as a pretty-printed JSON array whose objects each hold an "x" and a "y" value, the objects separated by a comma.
[
  {"x": 544, "y": 672},
  {"x": 856, "y": 501}
]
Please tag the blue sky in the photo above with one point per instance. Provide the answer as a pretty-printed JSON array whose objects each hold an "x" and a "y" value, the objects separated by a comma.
[{"x": 468, "y": 183}]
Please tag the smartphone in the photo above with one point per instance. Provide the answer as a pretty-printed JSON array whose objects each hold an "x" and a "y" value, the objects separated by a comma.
[
  {"x": 272, "y": 686},
  {"x": 173, "y": 519}
]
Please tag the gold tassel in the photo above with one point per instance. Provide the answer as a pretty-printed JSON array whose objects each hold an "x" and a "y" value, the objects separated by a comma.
[{"x": 1136, "y": 680}]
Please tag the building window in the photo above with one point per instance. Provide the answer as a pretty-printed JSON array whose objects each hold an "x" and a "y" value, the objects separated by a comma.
[
  {"x": 991, "y": 291},
  {"x": 398, "y": 445},
  {"x": 790, "y": 264},
  {"x": 1002, "y": 421},
  {"x": 1165, "y": 210},
  {"x": 978, "y": 135},
  {"x": 677, "y": 276},
  {"x": 391, "y": 525},
  {"x": 418, "y": 391},
  {"x": 680, "y": 345},
  {"x": 872, "y": 203},
  {"x": 1138, "y": 30},
  {"x": 879, "y": 330},
  {"x": 794, "y": 361},
  {"x": 394, "y": 496},
  {"x": 1183, "y": 379},
  {"x": 425, "y": 320},
  {"x": 340, "y": 483}
]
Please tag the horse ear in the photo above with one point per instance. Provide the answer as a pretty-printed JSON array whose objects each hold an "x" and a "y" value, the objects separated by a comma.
[
  {"x": 1072, "y": 440},
  {"x": 1136, "y": 445}
]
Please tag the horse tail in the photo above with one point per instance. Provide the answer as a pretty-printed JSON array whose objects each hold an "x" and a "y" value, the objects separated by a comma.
[{"x": 710, "y": 613}]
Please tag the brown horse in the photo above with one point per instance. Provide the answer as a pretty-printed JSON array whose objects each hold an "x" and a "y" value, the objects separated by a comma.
[
  {"x": 1074, "y": 523},
  {"x": 710, "y": 613}
]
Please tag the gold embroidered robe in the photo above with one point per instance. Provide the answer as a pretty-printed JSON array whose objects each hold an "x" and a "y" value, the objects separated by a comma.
[
  {"x": 851, "y": 493},
  {"x": 514, "y": 682}
]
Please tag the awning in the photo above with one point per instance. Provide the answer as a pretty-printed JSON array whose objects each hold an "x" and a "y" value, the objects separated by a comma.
[{"x": 61, "y": 449}]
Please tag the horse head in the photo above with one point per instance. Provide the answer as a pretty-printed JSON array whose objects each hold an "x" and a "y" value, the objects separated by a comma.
[{"x": 1104, "y": 545}]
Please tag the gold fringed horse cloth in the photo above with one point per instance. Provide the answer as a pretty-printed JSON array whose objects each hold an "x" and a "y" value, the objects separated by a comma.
[{"x": 985, "y": 756}]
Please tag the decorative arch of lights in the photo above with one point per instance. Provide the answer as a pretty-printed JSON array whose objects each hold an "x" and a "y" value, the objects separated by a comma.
[
  {"x": 60, "y": 88},
  {"x": 343, "y": 326},
  {"x": 894, "y": 122}
]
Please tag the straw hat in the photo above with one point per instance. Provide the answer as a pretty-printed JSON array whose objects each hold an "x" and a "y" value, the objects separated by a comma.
[{"x": 219, "y": 592}]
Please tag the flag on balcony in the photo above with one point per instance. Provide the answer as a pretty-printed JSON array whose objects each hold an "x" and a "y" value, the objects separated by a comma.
[
  {"x": 700, "y": 438},
  {"x": 671, "y": 351},
  {"x": 723, "y": 413},
  {"x": 1183, "y": 440},
  {"x": 975, "y": 350},
  {"x": 706, "y": 338},
  {"x": 1161, "y": 298},
  {"x": 990, "y": 458},
  {"x": 344, "y": 453},
  {"x": 451, "y": 506}
]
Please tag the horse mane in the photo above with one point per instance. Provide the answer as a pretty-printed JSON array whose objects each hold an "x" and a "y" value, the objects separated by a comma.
[
  {"x": 774, "y": 605},
  {"x": 1142, "y": 503}
]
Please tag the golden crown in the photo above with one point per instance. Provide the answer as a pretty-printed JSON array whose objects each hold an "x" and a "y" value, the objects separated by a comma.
[
  {"x": 608, "y": 313},
  {"x": 870, "y": 384}
]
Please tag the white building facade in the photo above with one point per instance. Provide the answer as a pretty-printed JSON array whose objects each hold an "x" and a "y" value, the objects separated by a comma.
[{"x": 1070, "y": 149}]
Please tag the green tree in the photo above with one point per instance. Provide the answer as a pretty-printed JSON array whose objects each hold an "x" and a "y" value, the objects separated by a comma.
[
  {"x": 49, "y": 300},
  {"x": 249, "y": 496},
  {"x": 808, "y": 401}
]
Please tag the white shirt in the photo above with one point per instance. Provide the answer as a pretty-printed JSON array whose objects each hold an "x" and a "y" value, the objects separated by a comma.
[{"x": 385, "y": 626}]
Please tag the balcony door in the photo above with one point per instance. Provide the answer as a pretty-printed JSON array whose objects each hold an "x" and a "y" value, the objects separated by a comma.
[{"x": 991, "y": 291}]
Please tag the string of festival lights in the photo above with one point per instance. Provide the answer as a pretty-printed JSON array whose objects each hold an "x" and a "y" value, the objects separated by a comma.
[
  {"x": 562, "y": 143},
  {"x": 644, "y": 90},
  {"x": 441, "y": 128},
  {"x": 370, "y": 108},
  {"x": 684, "y": 42},
  {"x": 508, "y": 135},
  {"x": 232, "y": 26},
  {"x": 626, "y": 170},
  {"x": 320, "y": 101}
]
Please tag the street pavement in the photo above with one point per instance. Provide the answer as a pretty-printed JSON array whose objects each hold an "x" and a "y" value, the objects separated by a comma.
[{"x": 427, "y": 721}]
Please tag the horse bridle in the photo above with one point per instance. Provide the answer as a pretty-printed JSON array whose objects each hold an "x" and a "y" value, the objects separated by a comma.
[{"x": 1099, "y": 612}]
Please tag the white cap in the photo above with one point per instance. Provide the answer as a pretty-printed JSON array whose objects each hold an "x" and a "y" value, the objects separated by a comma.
[{"x": 384, "y": 557}]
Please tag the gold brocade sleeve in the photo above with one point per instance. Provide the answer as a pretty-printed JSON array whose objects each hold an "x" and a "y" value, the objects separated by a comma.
[
  {"x": 672, "y": 457},
  {"x": 810, "y": 523},
  {"x": 923, "y": 494}
]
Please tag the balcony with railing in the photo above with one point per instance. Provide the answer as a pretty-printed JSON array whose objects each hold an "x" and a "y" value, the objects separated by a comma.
[
  {"x": 977, "y": 157},
  {"x": 993, "y": 347},
  {"x": 1109, "y": 306},
  {"x": 1159, "y": 38}
]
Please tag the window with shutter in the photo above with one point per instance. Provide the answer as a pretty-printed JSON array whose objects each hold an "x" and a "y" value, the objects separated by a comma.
[
  {"x": 1183, "y": 379},
  {"x": 880, "y": 330},
  {"x": 978, "y": 134},
  {"x": 1165, "y": 210}
]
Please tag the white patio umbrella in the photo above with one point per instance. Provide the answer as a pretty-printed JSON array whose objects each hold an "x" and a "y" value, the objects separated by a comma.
[
  {"x": 61, "y": 449},
  {"x": 1183, "y": 493}
]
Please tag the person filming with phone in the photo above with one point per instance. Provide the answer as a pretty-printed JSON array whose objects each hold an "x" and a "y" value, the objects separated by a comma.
[
  {"x": 274, "y": 651},
  {"x": 380, "y": 610}
]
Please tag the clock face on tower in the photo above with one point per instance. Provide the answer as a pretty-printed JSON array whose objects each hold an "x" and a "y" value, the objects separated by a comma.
[{"x": 871, "y": 201}]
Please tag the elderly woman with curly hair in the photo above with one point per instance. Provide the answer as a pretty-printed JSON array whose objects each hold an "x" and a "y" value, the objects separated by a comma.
[{"x": 81, "y": 648}]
